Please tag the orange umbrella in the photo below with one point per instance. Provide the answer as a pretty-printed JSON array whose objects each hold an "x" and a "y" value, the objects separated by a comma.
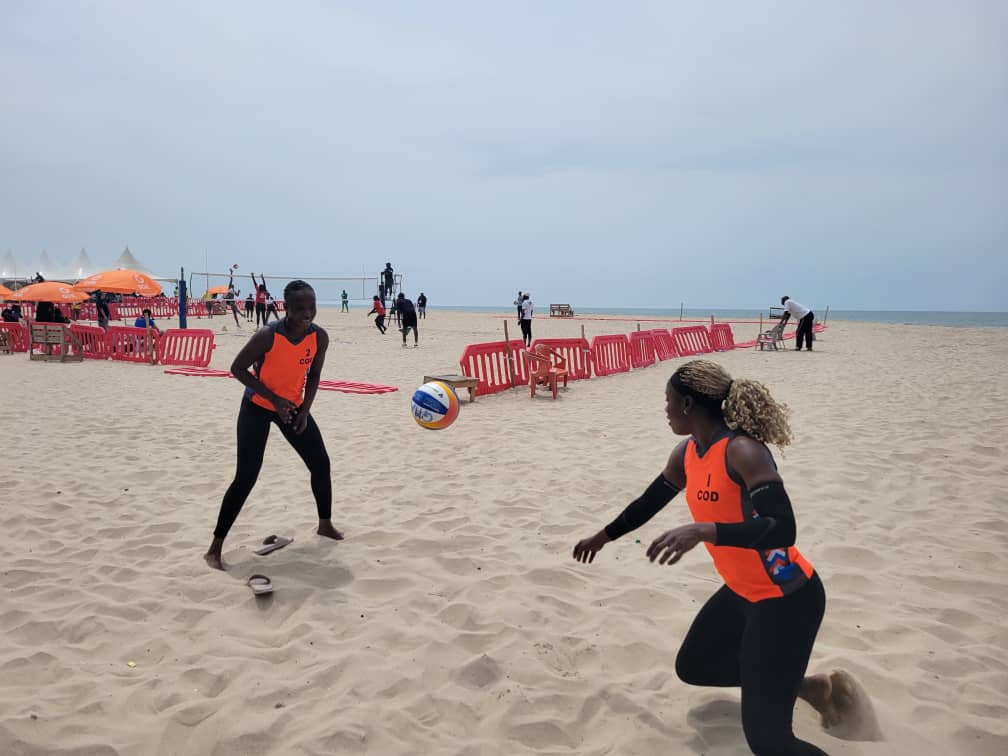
[
  {"x": 121, "y": 281},
  {"x": 5, "y": 293},
  {"x": 49, "y": 291},
  {"x": 217, "y": 290}
]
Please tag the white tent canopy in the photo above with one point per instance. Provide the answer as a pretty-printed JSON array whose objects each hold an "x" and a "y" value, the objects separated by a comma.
[{"x": 82, "y": 267}]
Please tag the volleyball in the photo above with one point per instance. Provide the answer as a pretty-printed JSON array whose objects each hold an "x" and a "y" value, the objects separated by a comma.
[
  {"x": 435, "y": 405},
  {"x": 234, "y": 267}
]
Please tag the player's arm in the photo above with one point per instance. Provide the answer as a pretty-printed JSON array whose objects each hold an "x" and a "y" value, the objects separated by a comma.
[
  {"x": 314, "y": 372},
  {"x": 774, "y": 524}
]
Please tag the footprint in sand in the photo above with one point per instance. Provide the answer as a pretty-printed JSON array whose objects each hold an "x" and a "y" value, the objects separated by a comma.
[{"x": 479, "y": 673}]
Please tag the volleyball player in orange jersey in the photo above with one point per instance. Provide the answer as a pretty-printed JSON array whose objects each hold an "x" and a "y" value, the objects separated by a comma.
[
  {"x": 286, "y": 357},
  {"x": 758, "y": 630}
]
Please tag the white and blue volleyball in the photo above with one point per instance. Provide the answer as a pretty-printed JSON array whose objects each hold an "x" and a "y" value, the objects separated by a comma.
[{"x": 435, "y": 405}]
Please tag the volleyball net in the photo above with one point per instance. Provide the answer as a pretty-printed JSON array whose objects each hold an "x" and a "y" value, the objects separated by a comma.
[{"x": 328, "y": 289}]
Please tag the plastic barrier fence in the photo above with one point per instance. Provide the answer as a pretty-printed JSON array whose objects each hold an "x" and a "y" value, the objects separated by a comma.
[
  {"x": 610, "y": 354},
  {"x": 642, "y": 351},
  {"x": 93, "y": 341},
  {"x": 18, "y": 336},
  {"x": 664, "y": 345},
  {"x": 692, "y": 340},
  {"x": 576, "y": 352},
  {"x": 488, "y": 363},
  {"x": 721, "y": 337},
  {"x": 192, "y": 347},
  {"x": 130, "y": 344}
]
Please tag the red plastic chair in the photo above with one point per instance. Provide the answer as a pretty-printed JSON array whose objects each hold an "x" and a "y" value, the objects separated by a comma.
[{"x": 546, "y": 367}]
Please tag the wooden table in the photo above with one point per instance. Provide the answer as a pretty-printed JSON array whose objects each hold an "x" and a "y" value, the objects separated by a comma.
[{"x": 456, "y": 382}]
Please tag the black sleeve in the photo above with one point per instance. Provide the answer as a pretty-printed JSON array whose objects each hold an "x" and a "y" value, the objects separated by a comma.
[
  {"x": 642, "y": 509},
  {"x": 772, "y": 528}
]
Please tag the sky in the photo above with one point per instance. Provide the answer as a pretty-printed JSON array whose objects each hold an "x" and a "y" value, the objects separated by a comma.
[{"x": 635, "y": 154}]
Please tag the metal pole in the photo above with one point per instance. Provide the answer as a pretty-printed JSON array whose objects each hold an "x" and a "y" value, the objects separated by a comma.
[{"x": 507, "y": 350}]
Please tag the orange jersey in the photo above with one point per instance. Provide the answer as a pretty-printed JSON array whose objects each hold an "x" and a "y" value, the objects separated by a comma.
[
  {"x": 715, "y": 494},
  {"x": 284, "y": 368}
]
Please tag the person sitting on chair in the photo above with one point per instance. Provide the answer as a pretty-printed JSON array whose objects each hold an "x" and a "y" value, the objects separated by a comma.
[
  {"x": 146, "y": 320},
  {"x": 805, "y": 318}
]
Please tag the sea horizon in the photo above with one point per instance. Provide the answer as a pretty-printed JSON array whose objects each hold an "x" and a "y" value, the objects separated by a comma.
[{"x": 950, "y": 318}]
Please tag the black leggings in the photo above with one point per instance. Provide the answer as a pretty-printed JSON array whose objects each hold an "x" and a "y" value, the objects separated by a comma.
[
  {"x": 253, "y": 430},
  {"x": 762, "y": 647},
  {"x": 260, "y": 311},
  {"x": 805, "y": 331},
  {"x": 526, "y": 329}
]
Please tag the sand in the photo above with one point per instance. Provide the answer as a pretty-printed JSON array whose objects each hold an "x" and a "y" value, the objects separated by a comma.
[{"x": 453, "y": 620}]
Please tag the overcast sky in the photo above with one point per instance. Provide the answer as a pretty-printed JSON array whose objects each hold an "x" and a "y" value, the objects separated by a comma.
[{"x": 597, "y": 153}]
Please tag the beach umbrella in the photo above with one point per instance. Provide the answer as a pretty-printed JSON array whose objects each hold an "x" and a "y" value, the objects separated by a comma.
[
  {"x": 217, "y": 290},
  {"x": 48, "y": 291},
  {"x": 5, "y": 293},
  {"x": 121, "y": 281}
]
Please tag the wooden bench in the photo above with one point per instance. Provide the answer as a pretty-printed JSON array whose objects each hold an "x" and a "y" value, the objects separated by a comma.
[
  {"x": 456, "y": 382},
  {"x": 561, "y": 311}
]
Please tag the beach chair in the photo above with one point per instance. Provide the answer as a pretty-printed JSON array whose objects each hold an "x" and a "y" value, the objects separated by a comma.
[
  {"x": 58, "y": 343},
  {"x": 771, "y": 338},
  {"x": 546, "y": 368}
]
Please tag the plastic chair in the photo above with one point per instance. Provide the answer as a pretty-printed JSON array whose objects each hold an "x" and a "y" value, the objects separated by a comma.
[
  {"x": 544, "y": 371},
  {"x": 771, "y": 338}
]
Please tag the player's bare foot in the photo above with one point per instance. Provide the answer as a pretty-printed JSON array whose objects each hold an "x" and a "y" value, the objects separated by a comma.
[
  {"x": 845, "y": 709},
  {"x": 326, "y": 529},
  {"x": 213, "y": 555}
]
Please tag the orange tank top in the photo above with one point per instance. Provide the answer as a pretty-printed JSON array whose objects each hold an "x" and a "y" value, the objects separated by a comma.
[
  {"x": 284, "y": 368},
  {"x": 714, "y": 494}
]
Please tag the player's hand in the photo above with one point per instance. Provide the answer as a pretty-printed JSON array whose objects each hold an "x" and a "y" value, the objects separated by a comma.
[
  {"x": 586, "y": 549},
  {"x": 284, "y": 408},
  {"x": 669, "y": 547},
  {"x": 300, "y": 422}
]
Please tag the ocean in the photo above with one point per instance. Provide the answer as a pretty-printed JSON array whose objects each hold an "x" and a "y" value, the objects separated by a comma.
[{"x": 903, "y": 317}]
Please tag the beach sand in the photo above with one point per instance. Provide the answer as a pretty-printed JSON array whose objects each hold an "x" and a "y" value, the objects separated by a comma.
[{"x": 453, "y": 620}]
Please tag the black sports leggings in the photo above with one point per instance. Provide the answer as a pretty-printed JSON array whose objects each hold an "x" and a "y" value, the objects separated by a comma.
[
  {"x": 762, "y": 647},
  {"x": 260, "y": 311},
  {"x": 253, "y": 430}
]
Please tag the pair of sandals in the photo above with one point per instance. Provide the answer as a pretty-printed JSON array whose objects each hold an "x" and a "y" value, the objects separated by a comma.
[{"x": 260, "y": 584}]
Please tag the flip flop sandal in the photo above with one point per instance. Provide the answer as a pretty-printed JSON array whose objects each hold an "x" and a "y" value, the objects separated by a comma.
[
  {"x": 260, "y": 584},
  {"x": 272, "y": 543}
]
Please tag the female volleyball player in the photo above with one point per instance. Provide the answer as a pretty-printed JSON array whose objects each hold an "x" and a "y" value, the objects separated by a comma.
[
  {"x": 757, "y": 631},
  {"x": 286, "y": 358}
]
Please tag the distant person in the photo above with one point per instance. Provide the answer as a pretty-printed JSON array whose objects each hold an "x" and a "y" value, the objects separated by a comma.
[
  {"x": 518, "y": 304},
  {"x": 38, "y": 278},
  {"x": 261, "y": 316},
  {"x": 229, "y": 300},
  {"x": 146, "y": 320},
  {"x": 344, "y": 302},
  {"x": 805, "y": 318},
  {"x": 75, "y": 310},
  {"x": 271, "y": 308},
  {"x": 409, "y": 319},
  {"x": 526, "y": 320},
  {"x": 377, "y": 308},
  {"x": 101, "y": 310},
  {"x": 58, "y": 316},
  {"x": 389, "y": 276},
  {"x": 421, "y": 303},
  {"x": 249, "y": 307},
  {"x": 208, "y": 302},
  {"x": 8, "y": 315},
  {"x": 43, "y": 312}
]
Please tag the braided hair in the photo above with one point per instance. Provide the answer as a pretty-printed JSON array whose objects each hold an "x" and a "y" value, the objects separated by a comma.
[{"x": 745, "y": 404}]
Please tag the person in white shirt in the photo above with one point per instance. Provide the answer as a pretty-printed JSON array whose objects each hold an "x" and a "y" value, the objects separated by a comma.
[
  {"x": 526, "y": 319},
  {"x": 805, "y": 318}
]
